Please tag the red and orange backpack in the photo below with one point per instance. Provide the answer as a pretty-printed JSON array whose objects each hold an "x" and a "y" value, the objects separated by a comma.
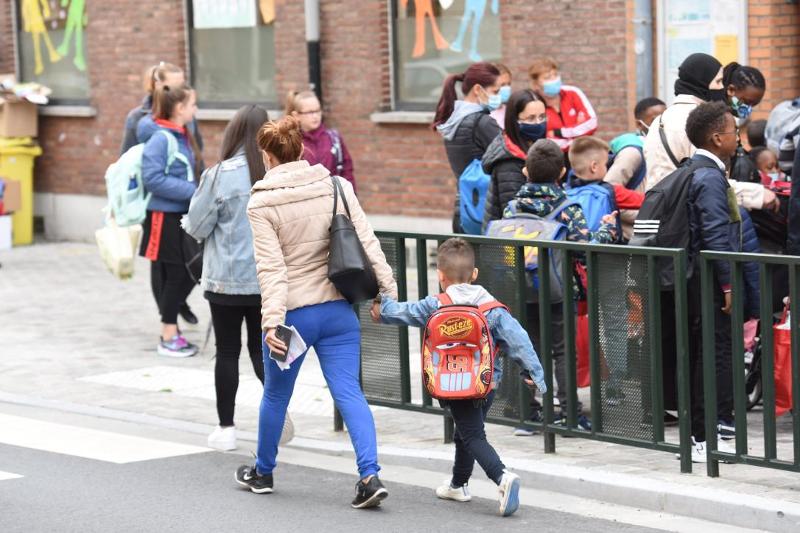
[{"x": 458, "y": 351}]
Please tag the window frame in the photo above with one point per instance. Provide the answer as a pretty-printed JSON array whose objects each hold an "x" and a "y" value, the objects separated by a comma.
[
  {"x": 16, "y": 24},
  {"x": 216, "y": 104}
]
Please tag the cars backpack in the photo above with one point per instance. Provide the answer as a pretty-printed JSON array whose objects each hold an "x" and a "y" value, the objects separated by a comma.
[
  {"x": 596, "y": 200},
  {"x": 127, "y": 198},
  {"x": 532, "y": 227},
  {"x": 458, "y": 351},
  {"x": 472, "y": 186}
]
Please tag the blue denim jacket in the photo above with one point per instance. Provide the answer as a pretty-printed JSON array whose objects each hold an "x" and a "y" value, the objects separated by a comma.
[
  {"x": 508, "y": 334},
  {"x": 218, "y": 215}
]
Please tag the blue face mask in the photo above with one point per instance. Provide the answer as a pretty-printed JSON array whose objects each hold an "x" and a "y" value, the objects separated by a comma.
[
  {"x": 505, "y": 93},
  {"x": 740, "y": 109},
  {"x": 494, "y": 102},
  {"x": 552, "y": 88},
  {"x": 533, "y": 132}
]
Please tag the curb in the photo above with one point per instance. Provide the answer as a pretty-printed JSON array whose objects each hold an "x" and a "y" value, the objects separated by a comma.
[{"x": 715, "y": 505}]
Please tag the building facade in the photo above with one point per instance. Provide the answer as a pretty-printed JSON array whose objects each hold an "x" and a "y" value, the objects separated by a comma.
[{"x": 382, "y": 66}]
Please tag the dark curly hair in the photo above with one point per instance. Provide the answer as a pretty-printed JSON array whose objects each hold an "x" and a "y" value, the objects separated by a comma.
[
  {"x": 706, "y": 120},
  {"x": 645, "y": 104},
  {"x": 741, "y": 77}
]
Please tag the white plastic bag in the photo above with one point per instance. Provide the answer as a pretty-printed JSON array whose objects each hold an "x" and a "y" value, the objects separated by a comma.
[{"x": 118, "y": 247}]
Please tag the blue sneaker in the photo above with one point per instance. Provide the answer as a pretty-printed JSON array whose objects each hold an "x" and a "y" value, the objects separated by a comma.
[
  {"x": 583, "y": 422},
  {"x": 509, "y": 493}
]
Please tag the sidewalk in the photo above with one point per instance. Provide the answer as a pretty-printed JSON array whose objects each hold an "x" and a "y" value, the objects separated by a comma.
[{"x": 72, "y": 334}]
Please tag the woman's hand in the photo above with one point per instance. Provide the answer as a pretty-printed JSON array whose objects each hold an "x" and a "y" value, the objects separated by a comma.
[
  {"x": 275, "y": 344},
  {"x": 610, "y": 218},
  {"x": 375, "y": 312}
]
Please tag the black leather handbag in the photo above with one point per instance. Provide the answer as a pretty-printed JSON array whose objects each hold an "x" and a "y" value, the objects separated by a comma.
[{"x": 349, "y": 268}]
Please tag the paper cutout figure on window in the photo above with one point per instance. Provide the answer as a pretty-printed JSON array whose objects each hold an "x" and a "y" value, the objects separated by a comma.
[
  {"x": 33, "y": 14},
  {"x": 267, "y": 8},
  {"x": 473, "y": 9},
  {"x": 76, "y": 20},
  {"x": 422, "y": 9}
]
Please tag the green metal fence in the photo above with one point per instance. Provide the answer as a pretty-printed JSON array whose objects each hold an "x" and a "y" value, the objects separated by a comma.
[
  {"x": 769, "y": 267},
  {"x": 625, "y": 332}
]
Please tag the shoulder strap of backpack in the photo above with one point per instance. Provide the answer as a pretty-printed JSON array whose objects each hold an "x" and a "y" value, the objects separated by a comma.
[
  {"x": 663, "y": 135},
  {"x": 560, "y": 209},
  {"x": 174, "y": 153},
  {"x": 488, "y": 306},
  {"x": 444, "y": 299},
  {"x": 336, "y": 141}
]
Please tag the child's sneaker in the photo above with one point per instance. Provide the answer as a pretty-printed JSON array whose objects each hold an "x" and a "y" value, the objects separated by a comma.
[
  {"x": 449, "y": 492},
  {"x": 527, "y": 431},
  {"x": 248, "y": 476},
  {"x": 369, "y": 494},
  {"x": 726, "y": 429},
  {"x": 509, "y": 493},
  {"x": 223, "y": 439},
  {"x": 177, "y": 346}
]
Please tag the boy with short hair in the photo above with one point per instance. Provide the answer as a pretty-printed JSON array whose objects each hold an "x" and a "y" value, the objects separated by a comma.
[
  {"x": 588, "y": 157},
  {"x": 715, "y": 224},
  {"x": 456, "y": 269}
]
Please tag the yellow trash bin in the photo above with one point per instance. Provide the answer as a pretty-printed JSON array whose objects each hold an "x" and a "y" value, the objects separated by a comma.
[{"x": 16, "y": 163}]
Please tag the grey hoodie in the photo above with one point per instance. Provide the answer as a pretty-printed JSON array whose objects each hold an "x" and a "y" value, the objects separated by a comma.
[{"x": 461, "y": 110}]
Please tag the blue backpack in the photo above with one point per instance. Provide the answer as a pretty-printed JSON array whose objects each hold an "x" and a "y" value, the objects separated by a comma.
[
  {"x": 532, "y": 227},
  {"x": 595, "y": 200},
  {"x": 472, "y": 186}
]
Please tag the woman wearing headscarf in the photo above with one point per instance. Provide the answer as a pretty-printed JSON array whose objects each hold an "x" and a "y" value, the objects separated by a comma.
[{"x": 700, "y": 79}]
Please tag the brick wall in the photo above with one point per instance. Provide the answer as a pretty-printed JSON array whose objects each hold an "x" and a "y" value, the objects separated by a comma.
[
  {"x": 401, "y": 168},
  {"x": 774, "y": 43}
]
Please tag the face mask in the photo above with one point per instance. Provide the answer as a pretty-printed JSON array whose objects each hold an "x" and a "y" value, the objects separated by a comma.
[
  {"x": 716, "y": 95},
  {"x": 533, "y": 132},
  {"x": 643, "y": 128},
  {"x": 494, "y": 102},
  {"x": 552, "y": 88},
  {"x": 505, "y": 93},
  {"x": 740, "y": 109},
  {"x": 774, "y": 176}
]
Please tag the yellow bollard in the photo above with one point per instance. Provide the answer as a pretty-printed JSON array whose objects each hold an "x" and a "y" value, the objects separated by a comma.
[{"x": 16, "y": 163}]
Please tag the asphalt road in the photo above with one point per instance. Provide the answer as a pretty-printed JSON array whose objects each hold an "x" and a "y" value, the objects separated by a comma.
[{"x": 196, "y": 492}]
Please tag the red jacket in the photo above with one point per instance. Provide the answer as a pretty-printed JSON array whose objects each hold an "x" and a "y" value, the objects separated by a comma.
[{"x": 576, "y": 119}]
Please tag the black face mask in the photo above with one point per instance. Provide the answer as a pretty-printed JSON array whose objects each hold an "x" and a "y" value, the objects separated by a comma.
[{"x": 716, "y": 95}]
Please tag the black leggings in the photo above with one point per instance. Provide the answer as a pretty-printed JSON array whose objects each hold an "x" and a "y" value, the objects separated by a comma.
[
  {"x": 227, "y": 320},
  {"x": 171, "y": 285}
]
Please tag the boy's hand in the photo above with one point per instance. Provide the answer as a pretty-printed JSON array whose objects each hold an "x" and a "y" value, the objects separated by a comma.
[
  {"x": 771, "y": 202},
  {"x": 610, "y": 218},
  {"x": 728, "y": 303},
  {"x": 375, "y": 312}
]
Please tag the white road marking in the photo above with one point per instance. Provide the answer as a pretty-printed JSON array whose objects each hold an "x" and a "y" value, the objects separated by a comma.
[
  {"x": 8, "y": 475},
  {"x": 87, "y": 443}
]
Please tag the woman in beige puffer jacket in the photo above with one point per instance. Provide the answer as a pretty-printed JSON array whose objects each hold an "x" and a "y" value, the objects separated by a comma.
[{"x": 290, "y": 213}]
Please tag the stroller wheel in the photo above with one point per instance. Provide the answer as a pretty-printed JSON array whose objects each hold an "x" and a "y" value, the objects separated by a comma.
[{"x": 752, "y": 381}]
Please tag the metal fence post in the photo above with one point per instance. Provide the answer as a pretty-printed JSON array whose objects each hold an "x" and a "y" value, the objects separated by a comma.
[
  {"x": 709, "y": 365},
  {"x": 545, "y": 350},
  {"x": 682, "y": 352},
  {"x": 593, "y": 307}
]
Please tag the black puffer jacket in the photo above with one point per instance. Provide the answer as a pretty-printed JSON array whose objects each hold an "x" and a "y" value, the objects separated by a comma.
[
  {"x": 507, "y": 178},
  {"x": 471, "y": 139}
]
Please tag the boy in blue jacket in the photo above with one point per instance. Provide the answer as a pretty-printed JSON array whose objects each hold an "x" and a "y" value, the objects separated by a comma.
[
  {"x": 715, "y": 223},
  {"x": 456, "y": 269}
]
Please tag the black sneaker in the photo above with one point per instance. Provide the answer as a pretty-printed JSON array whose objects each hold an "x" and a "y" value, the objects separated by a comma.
[
  {"x": 726, "y": 429},
  {"x": 583, "y": 422},
  {"x": 670, "y": 420},
  {"x": 247, "y": 476},
  {"x": 369, "y": 494},
  {"x": 186, "y": 313}
]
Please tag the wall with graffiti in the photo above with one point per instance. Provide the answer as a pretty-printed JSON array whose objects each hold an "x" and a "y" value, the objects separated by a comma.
[
  {"x": 52, "y": 45},
  {"x": 434, "y": 38}
]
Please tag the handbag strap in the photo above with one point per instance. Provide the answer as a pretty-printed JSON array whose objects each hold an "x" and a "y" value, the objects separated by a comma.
[
  {"x": 338, "y": 190},
  {"x": 664, "y": 141}
]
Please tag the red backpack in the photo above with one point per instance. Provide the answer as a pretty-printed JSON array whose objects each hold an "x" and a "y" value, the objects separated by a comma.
[{"x": 458, "y": 352}]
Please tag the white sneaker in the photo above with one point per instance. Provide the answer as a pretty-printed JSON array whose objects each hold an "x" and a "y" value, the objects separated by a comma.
[
  {"x": 223, "y": 439},
  {"x": 698, "y": 452},
  {"x": 509, "y": 493},
  {"x": 448, "y": 492}
]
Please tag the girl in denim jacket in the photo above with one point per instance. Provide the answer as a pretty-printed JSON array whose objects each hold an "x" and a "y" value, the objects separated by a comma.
[{"x": 218, "y": 216}]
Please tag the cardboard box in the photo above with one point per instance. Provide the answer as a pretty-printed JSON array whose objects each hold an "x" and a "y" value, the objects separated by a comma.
[
  {"x": 18, "y": 118},
  {"x": 5, "y": 233},
  {"x": 12, "y": 196}
]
